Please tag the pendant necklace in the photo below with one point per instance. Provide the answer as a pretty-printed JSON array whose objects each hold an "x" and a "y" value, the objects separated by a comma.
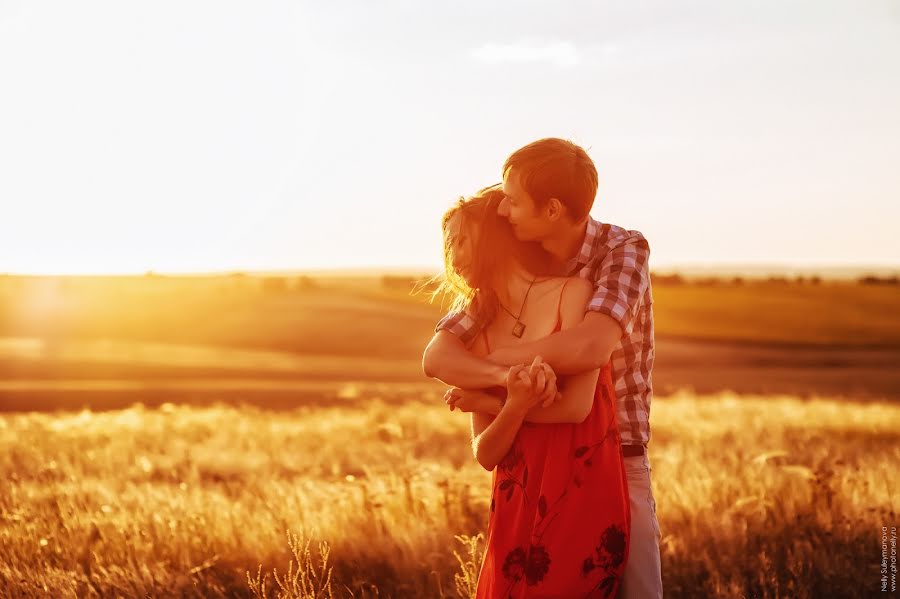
[{"x": 519, "y": 327}]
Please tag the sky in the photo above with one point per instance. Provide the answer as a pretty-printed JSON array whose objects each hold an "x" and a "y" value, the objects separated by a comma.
[{"x": 207, "y": 136}]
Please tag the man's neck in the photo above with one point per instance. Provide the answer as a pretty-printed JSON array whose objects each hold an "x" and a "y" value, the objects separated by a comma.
[{"x": 565, "y": 245}]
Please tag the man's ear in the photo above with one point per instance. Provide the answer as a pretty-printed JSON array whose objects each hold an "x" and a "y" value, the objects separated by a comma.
[{"x": 555, "y": 209}]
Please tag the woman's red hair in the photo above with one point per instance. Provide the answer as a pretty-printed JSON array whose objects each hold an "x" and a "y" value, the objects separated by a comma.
[{"x": 495, "y": 254}]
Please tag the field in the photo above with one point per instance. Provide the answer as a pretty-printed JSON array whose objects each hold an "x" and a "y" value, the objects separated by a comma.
[
  {"x": 166, "y": 437},
  {"x": 761, "y": 497}
]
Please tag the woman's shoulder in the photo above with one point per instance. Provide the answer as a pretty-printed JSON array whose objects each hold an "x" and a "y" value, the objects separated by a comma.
[
  {"x": 573, "y": 290},
  {"x": 577, "y": 287},
  {"x": 573, "y": 299},
  {"x": 571, "y": 283}
]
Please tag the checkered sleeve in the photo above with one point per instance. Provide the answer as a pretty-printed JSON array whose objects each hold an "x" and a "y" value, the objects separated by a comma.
[
  {"x": 462, "y": 324},
  {"x": 621, "y": 280}
]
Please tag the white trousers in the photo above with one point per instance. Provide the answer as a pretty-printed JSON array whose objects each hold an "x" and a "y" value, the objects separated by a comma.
[{"x": 643, "y": 574}]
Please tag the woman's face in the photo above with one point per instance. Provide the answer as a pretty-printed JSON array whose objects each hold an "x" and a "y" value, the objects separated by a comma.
[{"x": 458, "y": 235}]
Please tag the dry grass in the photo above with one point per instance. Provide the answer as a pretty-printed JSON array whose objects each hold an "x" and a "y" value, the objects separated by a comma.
[{"x": 761, "y": 497}]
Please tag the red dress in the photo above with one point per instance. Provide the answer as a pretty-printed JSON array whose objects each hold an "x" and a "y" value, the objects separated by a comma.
[{"x": 560, "y": 517}]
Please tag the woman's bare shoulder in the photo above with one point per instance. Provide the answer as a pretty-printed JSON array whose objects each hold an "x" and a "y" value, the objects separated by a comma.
[
  {"x": 577, "y": 287},
  {"x": 571, "y": 284},
  {"x": 574, "y": 300}
]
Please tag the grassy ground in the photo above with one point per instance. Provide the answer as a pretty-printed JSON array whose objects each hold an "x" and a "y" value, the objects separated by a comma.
[{"x": 757, "y": 497}]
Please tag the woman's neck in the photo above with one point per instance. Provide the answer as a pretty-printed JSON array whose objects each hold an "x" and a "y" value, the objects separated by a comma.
[{"x": 511, "y": 291}]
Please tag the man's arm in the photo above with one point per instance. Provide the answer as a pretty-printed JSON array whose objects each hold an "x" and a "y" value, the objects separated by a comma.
[
  {"x": 577, "y": 391},
  {"x": 621, "y": 281},
  {"x": 447, "y": 359},
  {"x": 580, "y": 349}
]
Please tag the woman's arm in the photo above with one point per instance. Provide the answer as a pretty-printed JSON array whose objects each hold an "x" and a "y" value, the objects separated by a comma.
[
  {"x": 576, "y": 403},
  {"x": 493, "y": 436},
  {"x": 570, "y": 408}
]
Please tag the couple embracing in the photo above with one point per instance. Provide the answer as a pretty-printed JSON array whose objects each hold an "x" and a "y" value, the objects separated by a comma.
[{"x": 549, "y": 346}]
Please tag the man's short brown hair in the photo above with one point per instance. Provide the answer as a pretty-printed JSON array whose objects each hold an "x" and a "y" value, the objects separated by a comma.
[{"x": 556, "y": 168}]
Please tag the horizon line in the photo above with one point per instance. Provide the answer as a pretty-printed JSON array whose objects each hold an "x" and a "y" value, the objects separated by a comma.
[{"x": 731, "y": 268}]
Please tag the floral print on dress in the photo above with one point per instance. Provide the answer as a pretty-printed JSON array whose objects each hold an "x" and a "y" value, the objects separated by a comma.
[
  {"x": 533, "y": 564},
  {"x": 608, "y": 555},
  {"x": 559, "y": 510}
]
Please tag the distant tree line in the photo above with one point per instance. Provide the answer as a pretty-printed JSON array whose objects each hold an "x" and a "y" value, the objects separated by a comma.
[
  {"x": 870, "y": 280},
  {"x": 678, "y": 279},
  {"x": 240, "y": 280}
]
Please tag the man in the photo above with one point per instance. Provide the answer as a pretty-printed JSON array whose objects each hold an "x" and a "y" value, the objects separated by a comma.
[{"x": 550, "y": 186}]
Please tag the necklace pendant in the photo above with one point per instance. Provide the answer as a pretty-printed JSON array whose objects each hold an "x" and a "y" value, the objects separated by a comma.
[{"x": 518, "y": 329}]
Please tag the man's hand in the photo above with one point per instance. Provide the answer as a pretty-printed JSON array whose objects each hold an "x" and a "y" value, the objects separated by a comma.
[
  {"x": 539, "y": 375},
  {"x": 464, "y": 400}
]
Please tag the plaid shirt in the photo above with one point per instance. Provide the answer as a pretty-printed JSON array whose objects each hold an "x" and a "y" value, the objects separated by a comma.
[{"x": 617, "y": 262}]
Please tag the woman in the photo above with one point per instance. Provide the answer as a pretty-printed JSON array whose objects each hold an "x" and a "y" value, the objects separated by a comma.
[{"x": 560, "y": 514}]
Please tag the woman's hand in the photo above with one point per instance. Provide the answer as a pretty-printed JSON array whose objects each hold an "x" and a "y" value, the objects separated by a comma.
[
  {"x": 546, "y": 387},
  {"x": 531, "y": 385},
  {"x": 544, "y": 382},
  {"x": 521, "y": 385}
]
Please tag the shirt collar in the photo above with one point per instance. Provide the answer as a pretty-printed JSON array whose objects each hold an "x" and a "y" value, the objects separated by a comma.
[{"x": 587, "y": 246}]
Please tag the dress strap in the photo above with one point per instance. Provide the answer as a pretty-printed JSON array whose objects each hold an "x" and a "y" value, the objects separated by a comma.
[{"x": 559, "y": 304}]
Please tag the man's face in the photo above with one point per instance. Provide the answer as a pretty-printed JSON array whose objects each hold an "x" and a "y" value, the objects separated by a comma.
[{"x": 528, "y": 223}]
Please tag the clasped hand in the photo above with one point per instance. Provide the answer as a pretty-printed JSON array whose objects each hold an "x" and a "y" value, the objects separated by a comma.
[{"x": 526, "y": 386}]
